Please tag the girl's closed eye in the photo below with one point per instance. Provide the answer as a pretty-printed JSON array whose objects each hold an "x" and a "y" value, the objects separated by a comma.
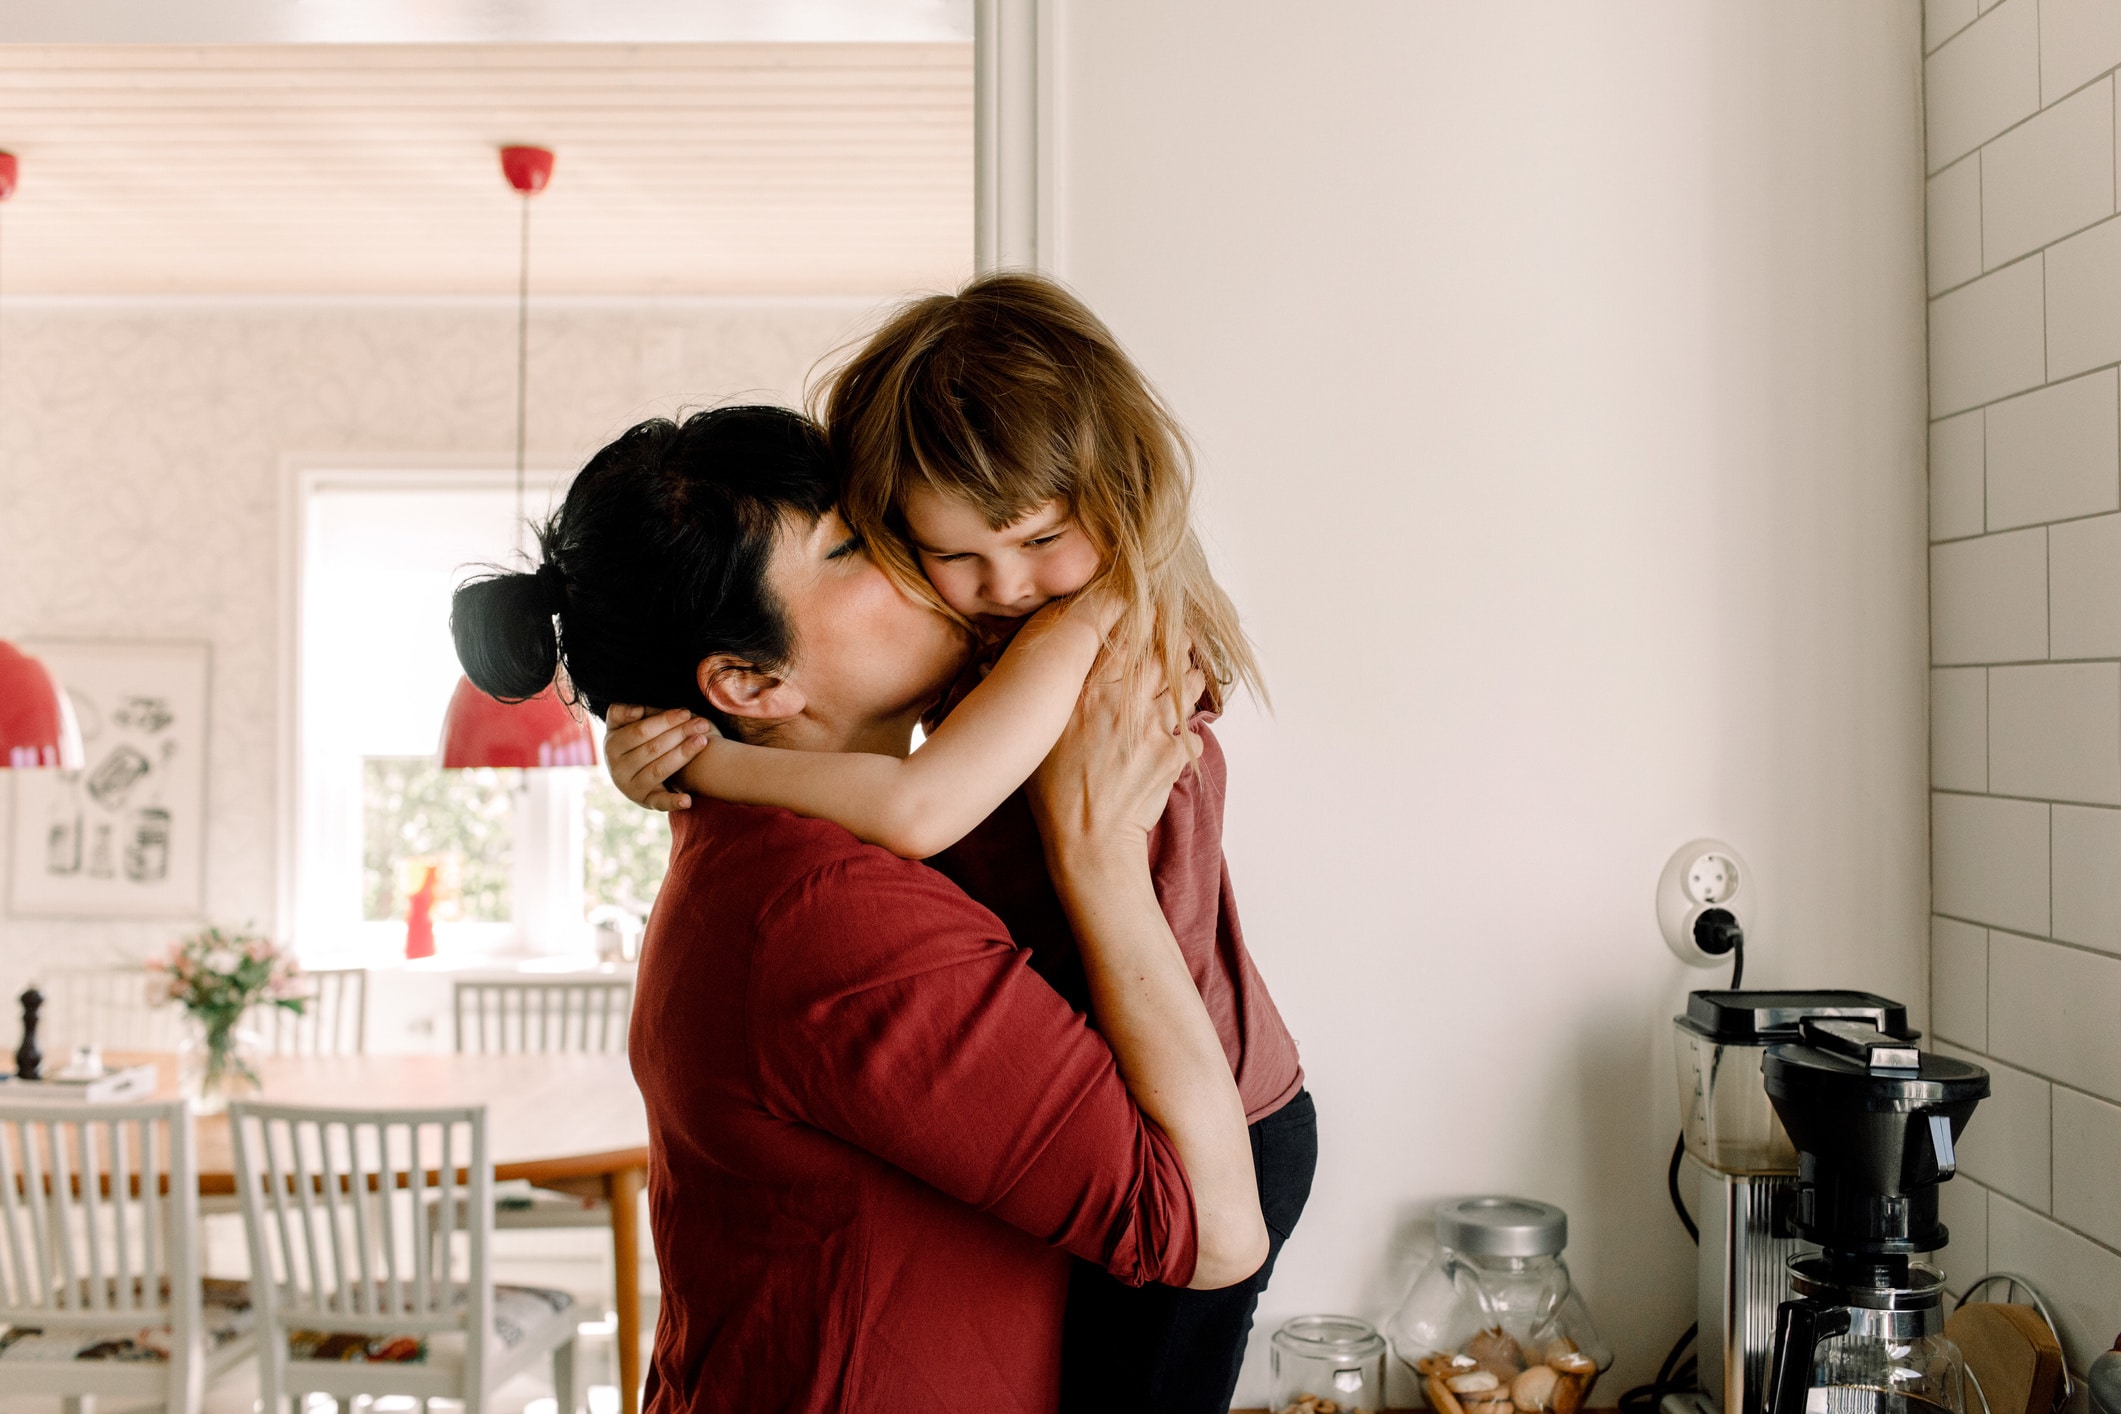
[{"x": 986, "y": 571}]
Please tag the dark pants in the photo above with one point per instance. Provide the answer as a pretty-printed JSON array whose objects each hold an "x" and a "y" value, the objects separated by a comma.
[{"x": 1173, "y": 1350}]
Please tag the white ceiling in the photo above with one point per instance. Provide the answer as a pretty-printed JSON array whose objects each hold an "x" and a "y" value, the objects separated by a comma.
[
  {"x": 478, "y": 21},
  {"x": 698, "y": 168}
]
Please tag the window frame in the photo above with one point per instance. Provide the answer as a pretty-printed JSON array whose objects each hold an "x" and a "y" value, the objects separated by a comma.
[{"x": 547, "y": 868}]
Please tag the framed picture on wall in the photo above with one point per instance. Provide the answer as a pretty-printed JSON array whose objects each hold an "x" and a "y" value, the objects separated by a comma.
[{"x": 124, "y": 837}]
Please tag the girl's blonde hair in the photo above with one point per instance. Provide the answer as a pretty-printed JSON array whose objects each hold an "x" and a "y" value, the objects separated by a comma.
[{"x": 1009, "y": 394}]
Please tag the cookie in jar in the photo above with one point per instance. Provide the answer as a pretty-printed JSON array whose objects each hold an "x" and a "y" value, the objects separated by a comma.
[{"x": 1493, "y": 1323}]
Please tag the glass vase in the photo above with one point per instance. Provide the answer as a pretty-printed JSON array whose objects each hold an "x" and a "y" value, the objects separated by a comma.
[{"x": 217, "y": 1062}]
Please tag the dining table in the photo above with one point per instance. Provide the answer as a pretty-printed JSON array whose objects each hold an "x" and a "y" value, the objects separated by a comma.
[{"x": 568, "y": 1121}]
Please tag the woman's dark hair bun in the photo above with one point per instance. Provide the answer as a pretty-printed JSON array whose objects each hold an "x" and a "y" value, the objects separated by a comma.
[{"x": 502, "y": 623}]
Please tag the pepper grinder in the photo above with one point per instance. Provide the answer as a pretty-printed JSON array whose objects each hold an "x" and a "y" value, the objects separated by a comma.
[{"x": 29, "y": 1061}]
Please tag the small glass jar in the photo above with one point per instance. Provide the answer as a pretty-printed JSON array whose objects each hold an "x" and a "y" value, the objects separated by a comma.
[
  {"x": 1328, "y": 1365},
  {"x": 1493, "y": 1324}
]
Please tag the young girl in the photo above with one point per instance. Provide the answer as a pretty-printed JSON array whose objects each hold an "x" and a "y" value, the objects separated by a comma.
[{"x": 1007, "y": 463}]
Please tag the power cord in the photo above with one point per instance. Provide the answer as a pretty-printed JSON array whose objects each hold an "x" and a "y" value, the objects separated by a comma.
[{"x": 1717, "y": 932}]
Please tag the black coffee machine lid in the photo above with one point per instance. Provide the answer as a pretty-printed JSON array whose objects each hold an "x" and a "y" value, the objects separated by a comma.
[
  {"x": 1772, "y": 1018},
  {"x": 1810, "y": 1075}
]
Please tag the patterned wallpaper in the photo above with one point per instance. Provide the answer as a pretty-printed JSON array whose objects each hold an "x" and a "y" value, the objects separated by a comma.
[{"x": 141, "y": 463}]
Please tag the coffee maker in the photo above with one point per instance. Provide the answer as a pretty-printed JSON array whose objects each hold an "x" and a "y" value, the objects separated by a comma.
[
  {"x": 1747, "y": 1174},
  {"x": 1875, "y": 1123}
]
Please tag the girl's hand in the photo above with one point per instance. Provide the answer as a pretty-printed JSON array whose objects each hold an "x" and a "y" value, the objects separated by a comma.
[
  {"x": 643, "y": 749},
  {"x": 1101, "y": 786}
]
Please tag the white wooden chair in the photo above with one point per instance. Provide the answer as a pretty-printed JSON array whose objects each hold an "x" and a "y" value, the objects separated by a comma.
[
  {"x": 560, "y": 1014},
  {"x": 369, "y": 1259},
  {"x": 100, "y": 1292},
  {"x": 512, "y": 1016},
  {"x": 333, "y": 1022},
  {"x": 104, "y": 1007}
]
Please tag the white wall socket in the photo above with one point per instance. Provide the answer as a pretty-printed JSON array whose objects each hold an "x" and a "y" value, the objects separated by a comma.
[{"x": 1703, "y": 874}]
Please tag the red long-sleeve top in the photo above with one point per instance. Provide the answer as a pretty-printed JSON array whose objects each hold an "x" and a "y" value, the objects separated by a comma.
[{"x": 875, "y": 1135}]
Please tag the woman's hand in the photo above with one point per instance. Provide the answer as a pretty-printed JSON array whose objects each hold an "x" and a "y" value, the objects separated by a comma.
[
  {"x": 643, "y": 749},
  {"x": 1102, "y": 785}
]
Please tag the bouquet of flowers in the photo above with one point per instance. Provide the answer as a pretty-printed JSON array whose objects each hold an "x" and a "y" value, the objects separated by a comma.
[{"x": 217, "y": 975}]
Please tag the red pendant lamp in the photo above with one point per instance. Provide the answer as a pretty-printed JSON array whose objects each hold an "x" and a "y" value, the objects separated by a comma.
[
  {"x": 480, "y": 730},
  {"x": 37, "y": 726}
]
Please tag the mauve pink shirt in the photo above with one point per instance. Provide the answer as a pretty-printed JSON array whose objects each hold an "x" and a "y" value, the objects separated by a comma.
[{"x": 1002, "y": 865}]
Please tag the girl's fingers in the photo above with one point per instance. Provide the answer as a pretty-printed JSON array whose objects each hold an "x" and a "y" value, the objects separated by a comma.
[
  {"x": 668, "y": 800},
  {"x": 620, "y": 714},
  {"x": 673, "y": 760},
  {"x": 651, "y": 736}
]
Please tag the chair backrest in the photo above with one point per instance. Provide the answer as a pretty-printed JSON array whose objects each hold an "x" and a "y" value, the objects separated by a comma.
[
  {"x": 351, "y": 1216},
  {"x": 105, "y": 1007},
  {"x": 99, "y": 1217},
  {"x": 559, "y": 1015},
  {"x": 333, "y": 1021}
]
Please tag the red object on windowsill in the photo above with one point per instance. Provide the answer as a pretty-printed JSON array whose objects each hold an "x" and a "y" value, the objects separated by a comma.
[
  {"x": 541, "y": 731},
  {"x": 37, "y": 726},
  {"x": 419, "y": 919}
]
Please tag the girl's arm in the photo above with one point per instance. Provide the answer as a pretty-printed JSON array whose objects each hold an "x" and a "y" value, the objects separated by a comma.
[
  {"x": 915, "y": 805},
  {"x": 1096, "y": 797}
]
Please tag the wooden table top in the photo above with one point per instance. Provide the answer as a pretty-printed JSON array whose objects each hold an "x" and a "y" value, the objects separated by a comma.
[{"x": 554, "y": 1116}]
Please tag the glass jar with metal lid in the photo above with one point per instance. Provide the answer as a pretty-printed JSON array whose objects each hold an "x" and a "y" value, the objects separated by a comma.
[
  {"x": 1328, "y": 1365},
  {"x": 1493, "y": 1324}
]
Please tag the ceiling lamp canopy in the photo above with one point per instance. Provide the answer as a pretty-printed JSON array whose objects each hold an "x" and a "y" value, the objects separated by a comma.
[
  {"x": 479, "y": 730},
  {"x": 528, "y": 169},
  {"x": 37, "y": 727}
]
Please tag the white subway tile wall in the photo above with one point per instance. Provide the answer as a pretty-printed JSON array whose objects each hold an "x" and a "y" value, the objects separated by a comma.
[
  {"x": 1959, "y": 982},
  {"x": 2079, "y": 40},
  {"x": 1984, "y": 80},
  {"x": 1959, "y": 728},
  {"x": 2055, "y": 732},
  {"x": 1988, "y": 599},
  {"x": 1986, "y": 337},
  {"x": 1988, "y": 862},
  {"x": 2084, "y": 588},
  {"x": 2083, "y": 301},
  {"x": 1955, "y": 224},
  {"x": 1941, "y": 19},
  {"x": 2011, "y": 1149},
  {"x": 2051, "y": 1010},
  {"x": 2087, "y": 885},
  {"x": 1957, "y": 474},
  {"x": 1963, "y": 1204},
  {"x": 2049, "y": 176},
  {"x": 2088, "y": 1165},
  {"x": 2052, "y": 453},
  {"x": 2025, "y": 634}
]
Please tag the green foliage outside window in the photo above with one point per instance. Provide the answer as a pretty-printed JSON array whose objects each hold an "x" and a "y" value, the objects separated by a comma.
[
  {"x": 414, "y": 814},
  {"x": 628, "y": 848}
]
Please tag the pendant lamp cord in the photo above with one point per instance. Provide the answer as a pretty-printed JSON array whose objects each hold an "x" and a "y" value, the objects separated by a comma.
[{"x": 522, "y": 370}]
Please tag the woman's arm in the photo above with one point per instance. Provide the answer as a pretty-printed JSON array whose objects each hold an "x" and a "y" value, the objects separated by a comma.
[
  {"x": 1096, "y": 799},
  {"x": 916, "y": 805}
]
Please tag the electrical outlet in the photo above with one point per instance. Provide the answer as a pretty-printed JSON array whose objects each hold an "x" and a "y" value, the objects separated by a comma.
[{"x": 1703, "y": 874}]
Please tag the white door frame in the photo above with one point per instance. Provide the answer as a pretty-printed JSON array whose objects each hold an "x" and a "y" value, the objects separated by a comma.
[{"x": 1016, "y": 135}]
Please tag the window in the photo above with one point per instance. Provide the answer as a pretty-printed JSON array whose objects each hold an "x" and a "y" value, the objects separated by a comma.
[{"x": 521, "y": 860}]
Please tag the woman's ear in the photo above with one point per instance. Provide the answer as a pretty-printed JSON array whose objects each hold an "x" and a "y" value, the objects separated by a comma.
[{"x": 735, "y": 687}]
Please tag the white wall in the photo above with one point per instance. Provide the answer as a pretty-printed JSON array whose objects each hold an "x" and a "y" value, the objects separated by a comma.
[
  {"x": 1558, "y": 375},
  {"x": 2025, "y": 630},
  {"x": 143, "y": 456}
]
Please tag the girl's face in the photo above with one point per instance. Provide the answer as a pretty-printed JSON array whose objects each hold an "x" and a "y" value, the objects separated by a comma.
[{"x": 988, "y": 574}]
